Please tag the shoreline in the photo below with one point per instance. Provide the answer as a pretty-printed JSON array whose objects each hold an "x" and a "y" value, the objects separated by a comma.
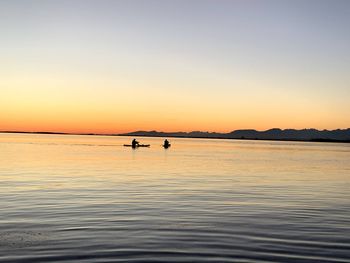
[{"x": 172, "y": 136}]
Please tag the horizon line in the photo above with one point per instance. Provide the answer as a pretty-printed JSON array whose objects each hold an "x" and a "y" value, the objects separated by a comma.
[{"x": 125, "y": 133}]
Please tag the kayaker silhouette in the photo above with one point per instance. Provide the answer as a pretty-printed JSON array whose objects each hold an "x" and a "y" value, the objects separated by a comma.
[
  {"x": 134, "y": 143},
  {"x": 166, "y": 144}
]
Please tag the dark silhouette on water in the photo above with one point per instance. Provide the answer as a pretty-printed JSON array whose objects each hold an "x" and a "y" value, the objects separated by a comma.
[
  {"x": 166, "y": 144},
  {"x": 137, "y": 146},
  {"x": 134, "y": 143}
]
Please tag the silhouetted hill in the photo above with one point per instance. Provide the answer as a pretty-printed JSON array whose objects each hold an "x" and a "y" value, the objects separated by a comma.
[
  {"x": 291, "y": 134},
  {"x": 339, "y": 135},
  {"x": 272, "y": 134}
]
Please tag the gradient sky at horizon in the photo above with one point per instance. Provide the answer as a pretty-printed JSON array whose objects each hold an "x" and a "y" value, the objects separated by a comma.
[{"x": 117, "y": 66}]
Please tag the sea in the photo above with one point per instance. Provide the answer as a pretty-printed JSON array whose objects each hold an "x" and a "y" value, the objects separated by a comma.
[{"x": 74, "y": 198}]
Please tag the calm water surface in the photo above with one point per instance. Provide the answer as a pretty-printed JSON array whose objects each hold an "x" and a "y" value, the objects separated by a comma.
[{"x": 89, "y": 199}]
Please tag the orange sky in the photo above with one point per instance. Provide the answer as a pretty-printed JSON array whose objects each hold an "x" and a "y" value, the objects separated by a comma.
[{"x": 116, "y": 68}]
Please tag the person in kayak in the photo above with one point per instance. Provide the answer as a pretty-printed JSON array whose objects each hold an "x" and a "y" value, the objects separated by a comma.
[
  {"x": 166, "y": 143},
  {"x": 134, "y": 143}
]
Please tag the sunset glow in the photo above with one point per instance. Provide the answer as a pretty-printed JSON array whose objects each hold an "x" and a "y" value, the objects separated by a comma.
[{"x": 109, "y": 67}]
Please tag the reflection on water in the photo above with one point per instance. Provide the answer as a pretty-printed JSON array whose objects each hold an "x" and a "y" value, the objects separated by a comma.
[{"x": 88, "y": 198}]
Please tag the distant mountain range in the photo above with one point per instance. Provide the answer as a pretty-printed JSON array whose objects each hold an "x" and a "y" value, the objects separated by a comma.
[{"x": 341, "y": 135}]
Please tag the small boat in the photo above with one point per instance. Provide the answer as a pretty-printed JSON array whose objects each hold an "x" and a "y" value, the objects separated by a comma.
[
  {"x": 166, "y": 146},
  {"x": 139, "y": 145}
]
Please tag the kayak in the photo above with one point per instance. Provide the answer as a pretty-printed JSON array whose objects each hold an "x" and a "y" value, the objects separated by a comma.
[
  {"x": 166, "y": 146},
  {"x": 140, "y": 145}
]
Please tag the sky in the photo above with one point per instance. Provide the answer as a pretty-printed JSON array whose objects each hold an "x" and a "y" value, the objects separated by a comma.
[{"x": 118, "y": 66}]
